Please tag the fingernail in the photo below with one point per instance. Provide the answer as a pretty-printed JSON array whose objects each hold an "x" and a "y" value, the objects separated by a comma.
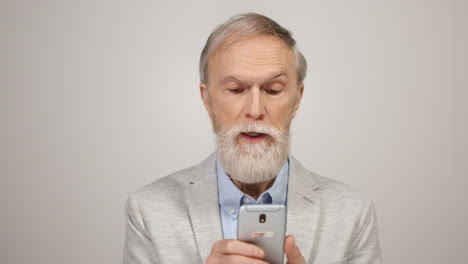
[{"x": 259, "y": 253}]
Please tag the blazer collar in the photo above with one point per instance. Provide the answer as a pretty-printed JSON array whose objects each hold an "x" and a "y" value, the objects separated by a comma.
[
  {"x": 203, "y": 206},
  {"x": 304, "y": 203}
]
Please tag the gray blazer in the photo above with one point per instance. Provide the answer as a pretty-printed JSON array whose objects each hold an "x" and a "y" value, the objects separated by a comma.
[{"x": 176, "y": 219}]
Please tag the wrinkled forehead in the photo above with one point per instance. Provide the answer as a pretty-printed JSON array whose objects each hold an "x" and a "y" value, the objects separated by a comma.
[{"x": 253, "y": 59}]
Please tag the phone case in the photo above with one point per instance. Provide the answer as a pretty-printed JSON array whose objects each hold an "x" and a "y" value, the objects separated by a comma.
[{"x": 264, "y": 225}]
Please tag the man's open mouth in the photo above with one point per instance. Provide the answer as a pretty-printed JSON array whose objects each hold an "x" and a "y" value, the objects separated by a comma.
[{"x": 253, "y": 134}]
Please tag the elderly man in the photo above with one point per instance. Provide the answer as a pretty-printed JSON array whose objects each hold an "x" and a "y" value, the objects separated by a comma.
[{"x": 251, "y": 85}]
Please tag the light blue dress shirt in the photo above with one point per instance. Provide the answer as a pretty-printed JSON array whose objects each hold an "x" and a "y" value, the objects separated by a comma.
[{"x": 231, "y": 198}]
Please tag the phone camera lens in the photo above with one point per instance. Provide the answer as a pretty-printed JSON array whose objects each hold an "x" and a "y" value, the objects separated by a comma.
[{"x": 262, "y": 218}]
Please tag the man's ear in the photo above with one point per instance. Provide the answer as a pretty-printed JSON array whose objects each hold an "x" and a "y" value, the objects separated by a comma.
[
  {"x": 297, "y": 102},
  {"x": 204, "y": 93}
]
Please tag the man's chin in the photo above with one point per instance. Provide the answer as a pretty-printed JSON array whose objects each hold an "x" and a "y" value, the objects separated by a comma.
[{"x": 252, "y": 157}]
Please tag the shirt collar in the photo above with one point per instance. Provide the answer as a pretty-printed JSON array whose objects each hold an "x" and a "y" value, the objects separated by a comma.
[{"x": 231, "y": 198}]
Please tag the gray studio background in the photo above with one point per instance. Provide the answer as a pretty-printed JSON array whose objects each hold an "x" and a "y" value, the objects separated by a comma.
[{"x": 99, "y": 98}]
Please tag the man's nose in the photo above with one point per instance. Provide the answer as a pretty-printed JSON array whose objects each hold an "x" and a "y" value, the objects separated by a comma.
[{"x": 255, "y": 108}]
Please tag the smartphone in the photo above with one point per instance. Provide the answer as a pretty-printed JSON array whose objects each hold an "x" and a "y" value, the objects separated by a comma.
[{"x": 264, "y": 225}]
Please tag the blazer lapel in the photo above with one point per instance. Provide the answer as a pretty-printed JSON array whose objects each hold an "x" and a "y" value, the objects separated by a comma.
[
  {"x": 203, "y": 206},
  {"x": 303, "y": 207}
]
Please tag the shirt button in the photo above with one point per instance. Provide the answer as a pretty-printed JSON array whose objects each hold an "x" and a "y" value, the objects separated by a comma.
[
  {"x": 232, "y": 211},
  {"x": 246, "y": 200}
]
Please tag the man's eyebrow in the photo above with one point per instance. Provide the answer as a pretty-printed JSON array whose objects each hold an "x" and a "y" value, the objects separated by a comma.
[
  {"x": 236, "y": 79},
  {"x": 231, "y": 78},
  {"x": 280, "y": 74}
]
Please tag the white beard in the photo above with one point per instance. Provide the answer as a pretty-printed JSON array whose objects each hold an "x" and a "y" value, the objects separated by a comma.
[{"x": 252, "y": 163}]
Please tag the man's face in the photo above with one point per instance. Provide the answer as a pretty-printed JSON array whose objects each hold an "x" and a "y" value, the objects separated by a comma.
[
  {"x": 252, "y": 87},
  {"x": 253, "y": 80}
]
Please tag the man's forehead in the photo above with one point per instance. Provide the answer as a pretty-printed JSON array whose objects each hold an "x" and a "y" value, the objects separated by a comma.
[
  {"x": 259, "y": 58},
  {"x": 275, "y": 75},
  {"x": 261, "y": 45}
]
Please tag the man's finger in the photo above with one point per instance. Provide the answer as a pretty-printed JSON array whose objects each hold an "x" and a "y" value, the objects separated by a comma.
[
  {"x": 236, "y": 247},
  {"x": 242, "y": 260},
  {"x": 293, "y": 254}
]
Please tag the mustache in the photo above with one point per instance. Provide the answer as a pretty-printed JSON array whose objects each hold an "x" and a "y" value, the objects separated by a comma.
[{"x": 262, "y": 128}]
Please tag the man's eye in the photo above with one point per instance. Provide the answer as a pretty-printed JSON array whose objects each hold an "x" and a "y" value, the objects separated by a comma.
[
  {"x": 272, "y": 92},
  {"x": 236, "y": 90}
]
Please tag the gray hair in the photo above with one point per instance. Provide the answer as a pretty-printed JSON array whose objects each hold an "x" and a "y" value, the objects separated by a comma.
[{"x": 248, "y": 25}]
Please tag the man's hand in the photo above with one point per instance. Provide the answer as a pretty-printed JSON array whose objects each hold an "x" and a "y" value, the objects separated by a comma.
[
  {"x": 292, "y": 252},
  {"x": 235, "y": 251}
]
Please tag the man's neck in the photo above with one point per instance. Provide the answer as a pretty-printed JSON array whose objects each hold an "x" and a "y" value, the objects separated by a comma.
[{"x": 253, "y": 190}]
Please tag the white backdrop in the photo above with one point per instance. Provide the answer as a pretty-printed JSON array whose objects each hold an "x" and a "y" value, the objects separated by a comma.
[{"x": 99, "y": 98}]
